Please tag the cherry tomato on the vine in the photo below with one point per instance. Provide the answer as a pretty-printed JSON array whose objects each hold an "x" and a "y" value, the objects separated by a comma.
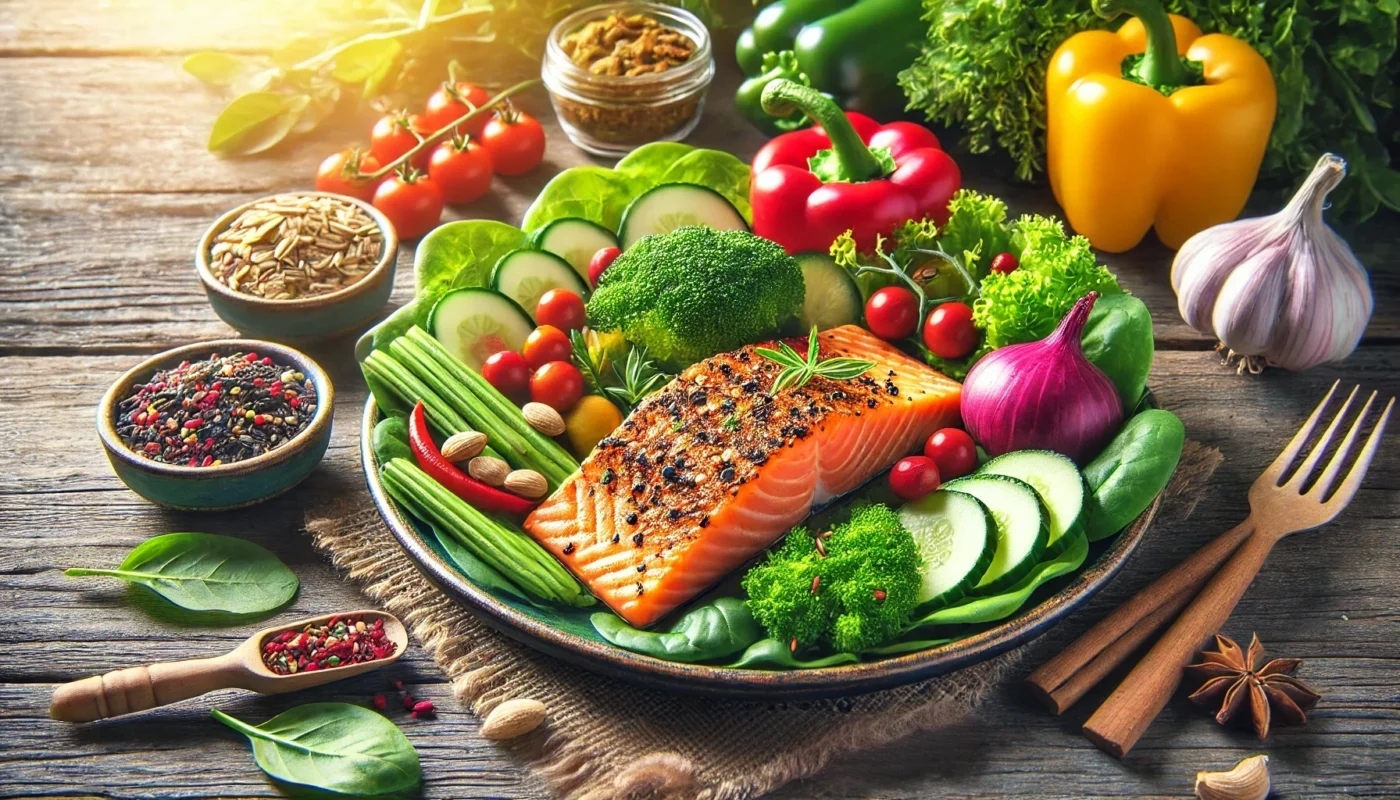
[
  {"x": 1005, "y": 263},
  {"x": 516, "y": 141},
  {"x": 601, "y": 261},
  {"x": 508, "y": 372},
  {"x": 557, "y": 384},
  {"x": 392, "y": 136},
  {"x": 545, "y": 344},
  {"x": 449, "y": 103},
  {"x": 561, "y": 308},
  {"x": 411, "y": 201},
  {"x": 949, "y": 332},
  {"x": 953, "y": 451},
  {"x": 461, "y": 169},
  {"x": 892, "y": 313},
  {"x": 914, "y": 477},
  {"x": 337, "y": 173}
]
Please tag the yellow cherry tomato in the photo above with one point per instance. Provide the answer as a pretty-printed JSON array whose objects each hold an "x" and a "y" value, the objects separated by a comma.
[{"x": 592, "y": 418}]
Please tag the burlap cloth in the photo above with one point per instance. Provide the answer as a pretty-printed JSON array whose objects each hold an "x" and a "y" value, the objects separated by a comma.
[{"x": 606, "y": 738}]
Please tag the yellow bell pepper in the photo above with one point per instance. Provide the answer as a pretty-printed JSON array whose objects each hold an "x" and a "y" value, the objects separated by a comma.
[{"x": 1156, "y": 142}]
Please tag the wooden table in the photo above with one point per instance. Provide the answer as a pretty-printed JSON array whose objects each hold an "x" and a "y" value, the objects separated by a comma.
[{"x": 104, "y": 189}]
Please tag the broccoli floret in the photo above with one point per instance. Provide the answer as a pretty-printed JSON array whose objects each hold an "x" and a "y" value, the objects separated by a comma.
[
  {"x": 695, "y": 292},
  {"x": 867, "y": 587}
]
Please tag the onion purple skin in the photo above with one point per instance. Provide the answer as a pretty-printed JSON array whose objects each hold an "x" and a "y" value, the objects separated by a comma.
[{"x": 1043, "y": 395}]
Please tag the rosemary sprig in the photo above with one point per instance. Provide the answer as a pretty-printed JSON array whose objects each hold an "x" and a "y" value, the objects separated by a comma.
[
  {"x": 797, "y": 370},
  {"x": 624, "y": 387}
]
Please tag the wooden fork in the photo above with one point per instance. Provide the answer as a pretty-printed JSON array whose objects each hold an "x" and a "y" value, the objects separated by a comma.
[{"x": 1277, "y": 507}]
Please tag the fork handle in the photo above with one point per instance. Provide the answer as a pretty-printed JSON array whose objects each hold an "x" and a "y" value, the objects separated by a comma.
[{"x": 1117, "y": 725}]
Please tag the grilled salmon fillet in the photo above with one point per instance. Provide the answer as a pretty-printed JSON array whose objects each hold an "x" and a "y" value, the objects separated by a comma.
[{"x": 712, "y": 469}]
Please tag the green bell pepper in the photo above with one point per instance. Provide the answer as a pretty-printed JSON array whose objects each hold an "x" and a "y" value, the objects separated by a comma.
[{"x": 852, "y": 51}]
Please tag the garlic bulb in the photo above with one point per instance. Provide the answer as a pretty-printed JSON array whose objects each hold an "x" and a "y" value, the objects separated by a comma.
[{"x": 1283, "y": 287}]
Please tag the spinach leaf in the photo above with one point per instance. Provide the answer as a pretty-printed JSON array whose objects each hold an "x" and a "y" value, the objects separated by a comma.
[
  {"x": 336, "y": 747},
  {"x": 390, "y": 328},
  {"x": 651, "y": 160},
  {"x": 1003, "y": 605},
  {"x": 205, "y": 572},
  {"x": 1118, "y": 340},
  {"x": 714, "y": 630},
  {"x": 390, "y": 440},
  {"x": 597, "y": 194},
  {"x": 909, "y": 646},
  {"x": 716, "y": 170},
  {"x": 771, "y": 653},
  {"x": 1132, "y": 470},
  {"x": 461, "y": 255}
]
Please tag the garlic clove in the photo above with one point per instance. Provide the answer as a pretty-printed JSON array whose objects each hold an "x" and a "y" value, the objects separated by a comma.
[
  {"x": 1247, "y": 780},
  {"x": 1248, "y": 307}
]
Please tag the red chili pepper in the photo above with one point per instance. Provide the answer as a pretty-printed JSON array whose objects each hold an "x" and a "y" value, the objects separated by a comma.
[
  {"x": 851, "y": 173},
  {"x": 481, "y": 495}
]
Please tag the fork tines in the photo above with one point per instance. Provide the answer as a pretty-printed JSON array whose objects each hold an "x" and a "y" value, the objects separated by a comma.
[{"x": 1282, "y": 471}]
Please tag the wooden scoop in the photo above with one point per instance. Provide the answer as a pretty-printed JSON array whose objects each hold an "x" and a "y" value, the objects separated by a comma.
[{"x": 127, "y": 691}]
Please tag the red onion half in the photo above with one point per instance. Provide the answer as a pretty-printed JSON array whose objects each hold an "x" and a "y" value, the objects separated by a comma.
[{"x": 1043, "y": 395}]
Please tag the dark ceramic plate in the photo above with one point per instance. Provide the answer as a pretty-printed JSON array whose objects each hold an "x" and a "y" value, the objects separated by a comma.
[{"x": 567, "y": 634}]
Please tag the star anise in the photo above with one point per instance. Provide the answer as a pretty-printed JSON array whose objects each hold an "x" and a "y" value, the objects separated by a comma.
[{"x": 1234, "y": 680}]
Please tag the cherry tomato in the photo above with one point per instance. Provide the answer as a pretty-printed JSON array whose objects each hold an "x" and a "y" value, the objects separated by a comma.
[
  {"x": 953, "y": 451},
  {"x": 412, "y": 202},
  {"x": 561, "y": 308},
  {"x": 337, "y": 174},
  {"x": 557, "y": 384},
  {"x": 914, "y": 477},
  {"x": 449, "y": 103},
  {"x": 1005, "y": 263},
  {"x": 508, "y": 372},
  {"x": 392, "y": 136},
  {"x": 892, "y": 313},
  {"x": 949, "y": 331},
  {"x": 462, "y": 173},
  {"x": 545, "y": 344},
  {"x": 516, "y": 141},
  {"x": 601, "y": 260}
]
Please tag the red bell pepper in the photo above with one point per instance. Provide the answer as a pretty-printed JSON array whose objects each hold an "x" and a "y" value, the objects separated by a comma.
[
  {"x": 849, "y": 173},
  {"x": 483, "y": 496}
]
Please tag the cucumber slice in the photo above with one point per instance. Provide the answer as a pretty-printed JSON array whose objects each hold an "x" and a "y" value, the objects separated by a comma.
[
  {"x": 957, "y": 537},
  {"x": 832, "y": 297},
  {"x": 1022, "y": 528},
  {"x": 525, "y": 275},
  {"x": 474, "y": 323},
  {"x": 575, "y": 240},
  {"x": 674, "y": 205},
  {"x": 1060, "y": 485}
]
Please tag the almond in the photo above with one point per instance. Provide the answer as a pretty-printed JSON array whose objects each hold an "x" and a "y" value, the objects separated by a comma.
[
  {"x": 543, "y": 419},
  {"x": 488, "y": 470},
  {"x": 463, "y": 446},
  {"x": 526, "y": 483},
  {"x": 512, "y": 718}
]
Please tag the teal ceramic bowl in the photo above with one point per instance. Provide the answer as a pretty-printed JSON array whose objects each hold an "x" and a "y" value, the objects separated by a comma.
[
  {"x": 304, "y": 319},
  {"x": 225, "y": 486}
]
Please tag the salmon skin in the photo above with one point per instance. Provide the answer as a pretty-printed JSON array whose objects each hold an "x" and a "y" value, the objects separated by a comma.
[{"x": 711, "y": 469}]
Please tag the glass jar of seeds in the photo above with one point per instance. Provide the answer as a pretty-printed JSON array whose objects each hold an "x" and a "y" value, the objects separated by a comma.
[
  {"x": 298, "y": 266},
  {"x": 624, "y": 74}
]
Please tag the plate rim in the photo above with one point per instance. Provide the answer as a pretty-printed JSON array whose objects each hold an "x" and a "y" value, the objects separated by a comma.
[{"x": 846, "y": 679}]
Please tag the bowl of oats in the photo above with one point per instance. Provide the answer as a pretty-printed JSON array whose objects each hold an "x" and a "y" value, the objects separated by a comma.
[{"x": 298, "y": 266}]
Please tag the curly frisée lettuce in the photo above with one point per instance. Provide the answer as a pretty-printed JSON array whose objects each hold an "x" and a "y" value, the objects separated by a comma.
[{"x": 1056, "y": 269}]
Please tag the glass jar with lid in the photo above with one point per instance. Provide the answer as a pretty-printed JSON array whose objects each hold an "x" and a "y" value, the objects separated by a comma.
[{"x": 621, "y": 75}]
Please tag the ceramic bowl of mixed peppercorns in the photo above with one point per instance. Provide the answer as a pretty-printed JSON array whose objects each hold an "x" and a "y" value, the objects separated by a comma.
[{"x": 218, "y": 424}]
